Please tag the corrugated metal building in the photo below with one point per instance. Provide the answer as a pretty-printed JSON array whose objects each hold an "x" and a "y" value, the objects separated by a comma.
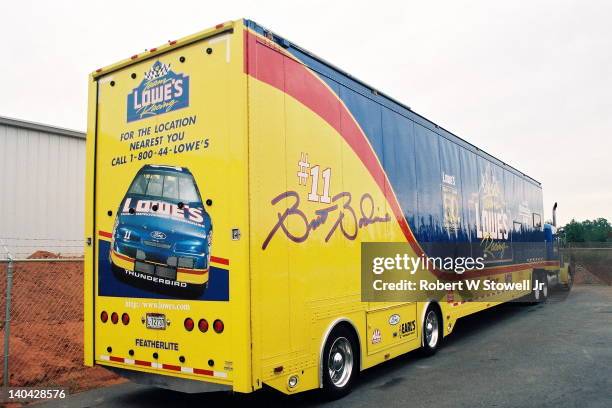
[{"x": 42, "y": 172}]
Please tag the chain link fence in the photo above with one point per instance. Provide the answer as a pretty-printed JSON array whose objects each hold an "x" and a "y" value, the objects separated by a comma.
[
  {"x": 41, "y": 301},
  {"x": 590, "y": 261}
]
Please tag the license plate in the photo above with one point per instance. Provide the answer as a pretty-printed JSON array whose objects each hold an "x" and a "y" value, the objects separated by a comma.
[{"x": 156, "y": 321}]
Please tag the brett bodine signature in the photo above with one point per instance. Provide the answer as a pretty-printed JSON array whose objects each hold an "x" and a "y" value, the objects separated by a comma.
[{"x": 346, "y": 219}]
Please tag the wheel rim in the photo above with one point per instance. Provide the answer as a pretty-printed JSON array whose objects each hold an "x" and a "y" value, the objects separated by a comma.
[
  {"x": 340, "y": 361},
  {"x": 431, "y": 329}
]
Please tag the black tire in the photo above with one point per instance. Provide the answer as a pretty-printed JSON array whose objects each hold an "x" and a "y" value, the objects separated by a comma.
[
  {"x": 539, "y": 296},
  {"x": 546, "y": 287},
  {"x": 432, "y": 331},
  {"x": 345, "y": 366}
]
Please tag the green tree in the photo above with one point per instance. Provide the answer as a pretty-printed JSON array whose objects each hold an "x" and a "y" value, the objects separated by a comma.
[
  {"x": 574, "y": 231},
  {"x": 587, "y": 231}
]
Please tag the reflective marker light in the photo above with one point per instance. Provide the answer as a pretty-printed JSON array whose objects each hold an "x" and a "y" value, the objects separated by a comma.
[
  {"x": 114, "y": 318},
  {"x": 125, "y": 319},
  {"x": 293, "y": 380},
  {"x": 203, "y": 325},
  {"x": 188, "y": 324},
  {"x": 104, "y": 316},
  {"x": 218, "y": 326}
]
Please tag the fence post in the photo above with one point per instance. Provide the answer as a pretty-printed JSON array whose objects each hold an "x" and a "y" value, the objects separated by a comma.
[{"x": 7, "y": 320}]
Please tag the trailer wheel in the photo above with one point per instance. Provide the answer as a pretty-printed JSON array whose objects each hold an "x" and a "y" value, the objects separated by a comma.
[
  {"x": 545, "y": 286},
  {"x": 432, "y": 331},
  {"x": 340, "y": 363},
  {"x": 539, "y": 295}
]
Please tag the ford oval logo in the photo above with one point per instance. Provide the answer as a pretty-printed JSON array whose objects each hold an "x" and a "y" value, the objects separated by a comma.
[
  {"x": 158, "y": 235},
  {"x": 394, "y": 319}
]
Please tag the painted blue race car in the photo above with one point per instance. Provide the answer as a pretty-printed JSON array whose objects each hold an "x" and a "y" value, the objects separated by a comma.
[{"x": 162, "y": 235}]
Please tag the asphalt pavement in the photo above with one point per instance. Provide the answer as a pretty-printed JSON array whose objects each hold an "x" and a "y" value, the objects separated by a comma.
[{"x": 557, "y": 354}]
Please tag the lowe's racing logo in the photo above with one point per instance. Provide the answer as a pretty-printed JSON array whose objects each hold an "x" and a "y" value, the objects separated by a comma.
[{"x": 162, "y": 90}]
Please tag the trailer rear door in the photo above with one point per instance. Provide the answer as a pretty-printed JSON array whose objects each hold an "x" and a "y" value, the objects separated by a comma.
[{"x": 171, "y": 213}]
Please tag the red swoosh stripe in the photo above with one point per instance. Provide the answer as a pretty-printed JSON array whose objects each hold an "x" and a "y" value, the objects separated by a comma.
[
  {"x": 268, "y": 63},
  {"x": 218, "y": 260}
]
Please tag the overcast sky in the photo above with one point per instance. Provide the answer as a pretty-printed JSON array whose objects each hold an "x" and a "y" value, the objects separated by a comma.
[{"x": 529, "y": 82}]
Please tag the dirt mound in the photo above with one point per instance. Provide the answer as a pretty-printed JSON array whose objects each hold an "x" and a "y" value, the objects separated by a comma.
[
  {"x": 592, "y": 265},
  {"x": 46, "y": 342},
  {"x": 583, "y": 276}
]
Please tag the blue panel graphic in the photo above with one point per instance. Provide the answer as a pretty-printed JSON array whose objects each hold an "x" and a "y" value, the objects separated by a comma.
[
  {"x": 429, "y": 215},
  {"x": 367, "y": 113},
  {"x": 400, "y": 160},
  {"x": 469, "y": 185},
  {"x": 450, "y": 166}
]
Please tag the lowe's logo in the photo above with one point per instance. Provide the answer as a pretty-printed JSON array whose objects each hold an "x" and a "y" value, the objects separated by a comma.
[{"x": 162, "y": 90}]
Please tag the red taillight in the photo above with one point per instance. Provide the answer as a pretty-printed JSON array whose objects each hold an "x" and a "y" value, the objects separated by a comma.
[
  {"x": 125, "y": 318},
  {"x": 203, "y": 325},
  {"x": 218, "y": 326},
  {"x": 188, "y": 324},
  {"x": 104, "y": 316},
  {"x": 114, "y": 318}
]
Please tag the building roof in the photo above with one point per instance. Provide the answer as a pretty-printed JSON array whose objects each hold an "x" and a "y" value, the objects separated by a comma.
[{"x": 24, "y": 124}]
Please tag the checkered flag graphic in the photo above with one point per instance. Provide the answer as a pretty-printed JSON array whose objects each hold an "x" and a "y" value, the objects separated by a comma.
[{"x": 158, "y": 69}]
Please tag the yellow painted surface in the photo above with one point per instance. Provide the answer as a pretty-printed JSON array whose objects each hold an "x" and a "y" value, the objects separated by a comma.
[
  {"x": 217, "y": 98},
  {"x": 88, "y": 276}
]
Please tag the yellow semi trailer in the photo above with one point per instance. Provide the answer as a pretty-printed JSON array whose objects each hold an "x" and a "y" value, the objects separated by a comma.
[{"x": 231, "y": 180}]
